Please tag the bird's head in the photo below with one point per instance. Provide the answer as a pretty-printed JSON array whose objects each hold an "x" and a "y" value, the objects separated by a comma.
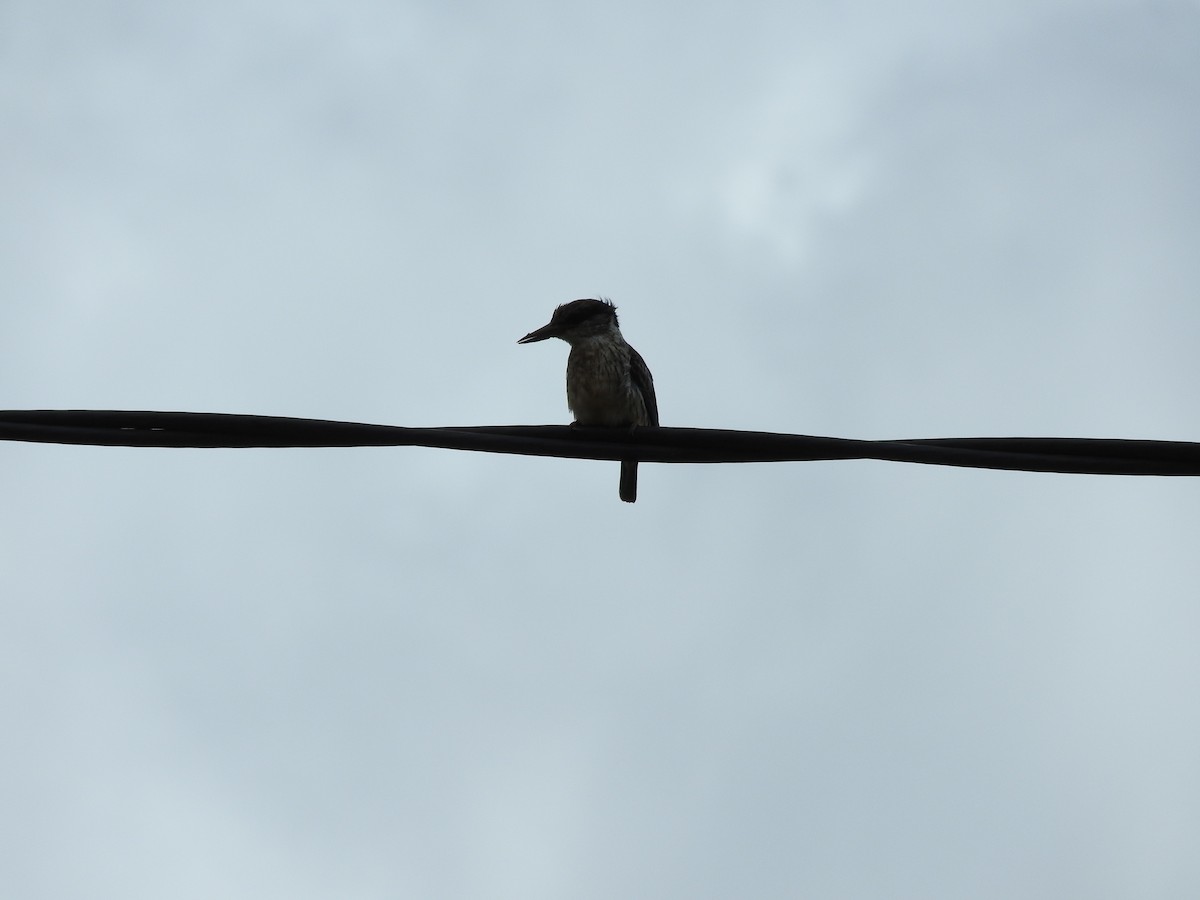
[{"x": 577, "y": 320}]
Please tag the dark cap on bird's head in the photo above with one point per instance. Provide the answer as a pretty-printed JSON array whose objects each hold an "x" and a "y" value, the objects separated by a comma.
[{"x": 576, "y": 319}]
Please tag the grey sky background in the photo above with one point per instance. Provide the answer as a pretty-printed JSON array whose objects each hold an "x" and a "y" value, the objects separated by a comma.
[{"x": 408, "y": 673}]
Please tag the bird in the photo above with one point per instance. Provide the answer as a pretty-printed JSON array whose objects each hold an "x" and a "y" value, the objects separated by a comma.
[{"x": 608, "y": 382}]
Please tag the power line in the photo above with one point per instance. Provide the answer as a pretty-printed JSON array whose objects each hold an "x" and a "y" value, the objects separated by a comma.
[{"x": 661, "y": 445}]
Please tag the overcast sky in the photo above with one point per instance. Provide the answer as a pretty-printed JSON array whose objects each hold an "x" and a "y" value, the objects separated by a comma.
[{"x": 386, "y": 673}]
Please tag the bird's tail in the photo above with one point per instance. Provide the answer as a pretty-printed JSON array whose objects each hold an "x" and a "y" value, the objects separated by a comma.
[{"x": 629, "y": 481}]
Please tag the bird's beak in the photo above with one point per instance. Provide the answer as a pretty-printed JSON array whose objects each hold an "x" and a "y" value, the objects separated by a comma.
[{"x": 546, "y": 331}]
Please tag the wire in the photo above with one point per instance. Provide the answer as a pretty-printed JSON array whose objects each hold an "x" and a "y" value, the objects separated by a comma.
[{"x": 116, "y": 428}]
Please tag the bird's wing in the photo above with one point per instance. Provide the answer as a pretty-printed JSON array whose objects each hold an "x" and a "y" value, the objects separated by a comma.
[{"x": 639, "y": 372}]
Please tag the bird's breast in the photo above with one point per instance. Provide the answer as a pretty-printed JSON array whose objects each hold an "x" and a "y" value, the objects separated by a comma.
[{"x": 599, "y": 388}]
